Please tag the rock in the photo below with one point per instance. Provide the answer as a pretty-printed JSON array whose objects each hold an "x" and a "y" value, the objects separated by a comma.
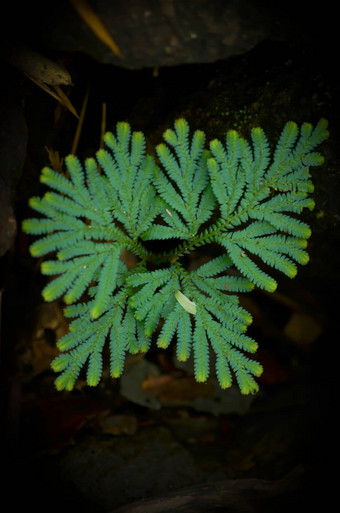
[
  {"x": 166, "y": 32},
  {"x": 231, "y": 496},
  {"x": 112, "y": 472}
]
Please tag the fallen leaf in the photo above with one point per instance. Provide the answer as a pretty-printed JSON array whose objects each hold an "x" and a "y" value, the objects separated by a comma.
[
  {"x": 36, "y": 66},
  {"x": 143, "y": 383},
  {"x": 45, "y": 73},
  {"x": 56, "y": 161},
  {"x": 173, "y": 389}
]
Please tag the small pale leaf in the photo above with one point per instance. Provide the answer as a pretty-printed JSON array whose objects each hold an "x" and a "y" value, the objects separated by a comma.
[{"x": 185, "y": 303}]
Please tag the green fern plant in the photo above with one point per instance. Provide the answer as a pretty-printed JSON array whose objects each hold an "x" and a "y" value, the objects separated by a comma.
[{"x": 238, "y": 196}]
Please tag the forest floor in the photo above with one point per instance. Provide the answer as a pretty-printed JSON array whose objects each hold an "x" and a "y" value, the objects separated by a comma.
[{"x": 155, "y": 431}]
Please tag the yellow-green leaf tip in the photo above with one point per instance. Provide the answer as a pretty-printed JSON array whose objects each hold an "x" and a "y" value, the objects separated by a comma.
[
  {"x": 162, "y": 343},
  {"x": 271, "y": 285},
  {"x": 116, "y": 373},
  {"x": 225, "y": 382},
  {"x": 64, "y": 383},
  {"x": 92, "y": 381},
  {"x": 249, "y": 388},
  {"x": 201, "y": 375},
  {"x": 95, "y": 312},
  {"x": 182, "y": 356}
]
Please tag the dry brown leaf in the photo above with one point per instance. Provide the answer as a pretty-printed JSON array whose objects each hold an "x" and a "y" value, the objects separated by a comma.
[
  {"x": 37, "y": 67},
  {"x": 173, "y": 389},
  {"x": 64, "y": 100},
  {"x": 56, "y": 161},
  {"x": 45, "y": 73}
]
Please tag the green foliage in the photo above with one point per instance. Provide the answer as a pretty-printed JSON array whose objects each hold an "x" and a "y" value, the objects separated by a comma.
[{"x": 236, "y": 195}]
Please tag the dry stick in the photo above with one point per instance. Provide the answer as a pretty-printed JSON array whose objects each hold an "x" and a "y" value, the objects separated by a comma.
[
  {"x": 64, "y": 100},
  {"x": 95, "y": 24},
  {"x": 80, "y": 122}
]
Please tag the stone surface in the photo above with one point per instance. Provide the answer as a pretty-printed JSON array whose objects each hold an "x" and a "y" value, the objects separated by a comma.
[
  {"x": 232, "y": 496},
  {"x": 115, "y": 471},
  {"x": 154, "y": 33}
]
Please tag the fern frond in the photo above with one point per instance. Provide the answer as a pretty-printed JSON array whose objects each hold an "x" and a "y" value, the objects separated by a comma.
[
  {"x": 265, "y": 211},
  {"x": 184, "y": 337},
  {"x": 254, "y": 159},
  {"x": 102, "y": 195},
  {"x": 245, "y": 369},
  {"x": 183, "y": 185},
  {"x": 194, "y": 311},
  {"x": 178, "y": 228},
  {"x": 129, "y": 172},
  {"x": 223, "y": 372},
  {"x": 214, "y": 266},
  {"x": 236, "y": 195},
  {"x": 95, "y": 366},
  {"x": 79, "y": 219},
  {"x": 70, "y": 366},
  {"x": 170, "y": 326},
  {"x": 107, "y": 281},
  {"x": 76, "y": 172},
  {"x": 228, "y": 179},
  {"x": 41, "y": 226},
  {"x": 86, "y": 339},
  {"x": 41, "y": 206},
  {"x": 83, "y": 279},
  {"x": 294, "y": 150},
  {"x": 57, "y": 181},
  {"x": 201, "y": 351},
  {"x": 206, "y": 205},
  {"x": 153, "y": 297}
]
